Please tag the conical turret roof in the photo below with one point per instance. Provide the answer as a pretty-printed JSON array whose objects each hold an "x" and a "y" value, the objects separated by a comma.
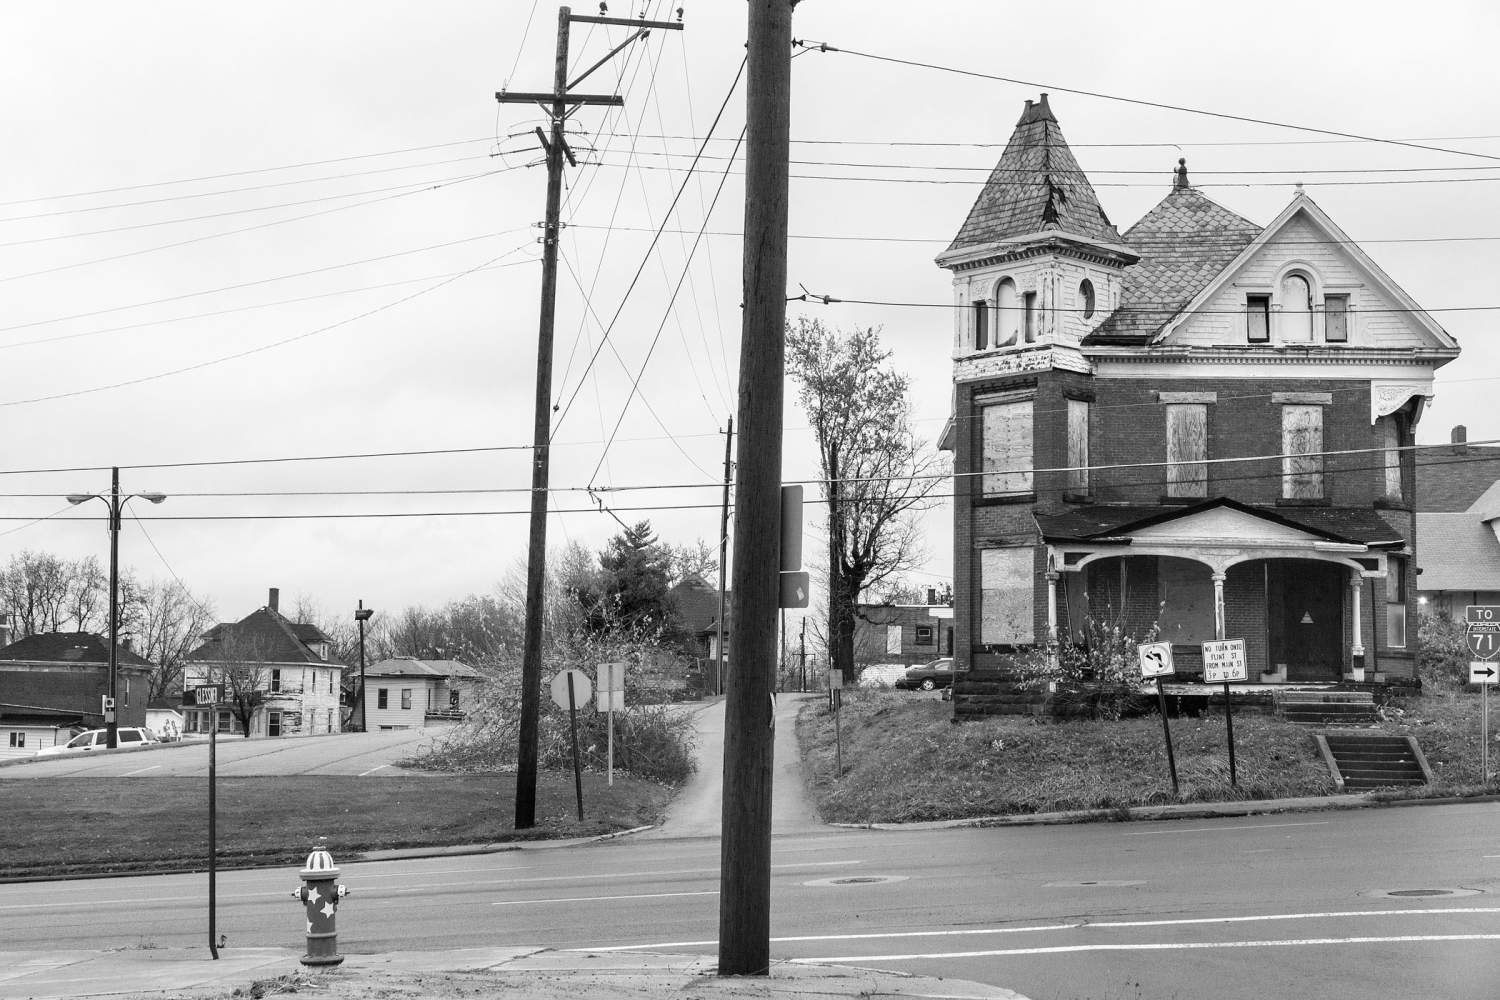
[{"x": 1037, "y": 186}]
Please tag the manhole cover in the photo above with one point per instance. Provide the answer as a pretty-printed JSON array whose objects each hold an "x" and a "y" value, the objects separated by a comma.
[
  {"x": 1424, "y": 893},
  {"x": 857, "y": 880}
]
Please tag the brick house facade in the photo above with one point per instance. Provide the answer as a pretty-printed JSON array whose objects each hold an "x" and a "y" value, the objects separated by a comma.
[{"x": 1202, "y": 423}]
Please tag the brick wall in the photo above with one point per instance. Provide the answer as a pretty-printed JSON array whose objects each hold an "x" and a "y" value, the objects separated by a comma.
[{"x": 70, "y": 688}]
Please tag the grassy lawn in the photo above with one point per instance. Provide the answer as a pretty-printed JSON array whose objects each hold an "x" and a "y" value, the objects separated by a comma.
[
  {"x": 73, "y": 826},
  {"x": 904, "y": 760}
]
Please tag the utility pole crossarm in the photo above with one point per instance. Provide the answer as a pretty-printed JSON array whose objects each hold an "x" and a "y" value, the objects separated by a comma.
[
  {"x": 627, "y": 22},
  {"x": 529, "y": 97}
]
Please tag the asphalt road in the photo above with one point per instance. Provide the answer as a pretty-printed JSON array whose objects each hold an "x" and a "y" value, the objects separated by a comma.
[
  {"x": 363, "y": 754},
  {"x": 1397, "y": 902}
]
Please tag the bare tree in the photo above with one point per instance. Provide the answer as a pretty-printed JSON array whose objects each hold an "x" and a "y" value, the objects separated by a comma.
[
  {"x": 877, "y": 476},
  {"x": 697, "y": 559},
  {"x": 242, "y": 665},
  {"x": 168, "y": 621}
]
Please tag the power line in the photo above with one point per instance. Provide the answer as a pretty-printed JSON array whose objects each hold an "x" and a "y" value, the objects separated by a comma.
[
  {"x": 1166, "y": 310},
  {"x": 197, "y": 366},
  {"x": 824, "y": 47},
  {"x": 969, "y": 144}
]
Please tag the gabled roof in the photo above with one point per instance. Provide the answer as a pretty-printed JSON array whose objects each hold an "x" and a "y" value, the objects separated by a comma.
[
  {"x": 1184, "y": 243},
  {"x": 263, "y": 636},
  {"x": 696, "y": 605},
  {"x": 1456, "y": 552},
  {"x": 1036, "y": 186},
  {"x": 70, "y": 647},
  {"x": 408, "y": 666},
  {"x": 1304, "y": 206},
  {"x": 1356, "y": 525}
]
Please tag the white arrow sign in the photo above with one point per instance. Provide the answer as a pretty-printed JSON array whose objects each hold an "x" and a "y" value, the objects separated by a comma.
[{"x": 1482, "y": 673}]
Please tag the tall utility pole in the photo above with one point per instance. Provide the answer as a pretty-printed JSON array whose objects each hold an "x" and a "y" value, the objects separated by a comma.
[
  {"x": 745, "y": 859},
  {"x": 723, "y": 554},
  {"x": 559, "y": 104}
]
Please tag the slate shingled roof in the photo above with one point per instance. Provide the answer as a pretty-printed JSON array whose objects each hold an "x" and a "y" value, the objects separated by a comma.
[
  {"x": 1036, "y": 185},
  {"x": 69, "y": 647},
  {"x": 1457, "y": 552},
  {"x": 406, "y": 666},
  {"x": 266, "y": 637},
  {"x": 1185, "y": 242}
]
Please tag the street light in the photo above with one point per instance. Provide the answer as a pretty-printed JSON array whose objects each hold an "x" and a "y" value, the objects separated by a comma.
[
  {"x": 116, "y": 504},
  {"x": 362, "y": 614}
]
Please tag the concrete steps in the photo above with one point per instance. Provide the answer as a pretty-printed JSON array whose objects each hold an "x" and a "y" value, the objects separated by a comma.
[
  {"x": 1327, "y": 708},
  {"x": 1373, "y": 760}
]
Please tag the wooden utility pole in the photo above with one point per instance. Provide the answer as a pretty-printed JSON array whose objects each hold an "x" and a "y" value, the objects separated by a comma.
[
  {"x": 745, "y": 861},
  {"x": 723, "y": 554},
  {"x": 559, "y": 104}
]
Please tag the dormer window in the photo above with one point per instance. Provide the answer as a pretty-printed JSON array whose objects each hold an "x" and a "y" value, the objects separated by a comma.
[
  {"x": 1258, "y": 319},
  {"x": 1336, "y": 319}
]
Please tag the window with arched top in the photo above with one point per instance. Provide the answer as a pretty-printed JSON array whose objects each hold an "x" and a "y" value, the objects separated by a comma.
[
  {"x": 1086, "y": 297},
  {"x": 1007, "y": 321},
  {"x": 1296, "y": 308}
]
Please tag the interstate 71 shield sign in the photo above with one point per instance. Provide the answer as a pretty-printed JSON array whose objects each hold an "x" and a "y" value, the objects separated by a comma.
[{"x": 1483, "y": 621}]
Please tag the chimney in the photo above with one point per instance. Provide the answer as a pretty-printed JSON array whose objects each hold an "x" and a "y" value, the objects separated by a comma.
[
  {"x": 1460, "y": 434},
  {"x": 931, "y": 596},
  {"x": 274, "y": 600},
  {"x": 127, "y": 644},
  {"x": 1181, "y": 181}
]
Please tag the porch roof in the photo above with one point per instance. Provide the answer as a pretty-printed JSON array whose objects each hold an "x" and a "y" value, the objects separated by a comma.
[{"x": 1350, "y": 525}]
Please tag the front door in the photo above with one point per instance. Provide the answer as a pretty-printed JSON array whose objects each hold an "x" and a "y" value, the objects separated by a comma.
[{"x": 1307, "y": 619}]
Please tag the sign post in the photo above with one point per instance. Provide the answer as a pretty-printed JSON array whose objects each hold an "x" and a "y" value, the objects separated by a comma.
[
  {"x": 611, "y": 697},
  {"x": 835, "y": 694},
  {"x": 1224, "y": 660},
  {"x": 1483, "y": 621},
  {"x": 569, "y": 688},
  {"x": 211, "y": 695},
  {"x": 1156, "y": 661}
]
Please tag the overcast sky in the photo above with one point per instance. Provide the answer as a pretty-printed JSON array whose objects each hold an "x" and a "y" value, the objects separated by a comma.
[{"x": 290, "y": 229}]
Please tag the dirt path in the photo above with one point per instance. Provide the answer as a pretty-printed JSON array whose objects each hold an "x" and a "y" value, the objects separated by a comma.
[{"x": 696, "y": 810}]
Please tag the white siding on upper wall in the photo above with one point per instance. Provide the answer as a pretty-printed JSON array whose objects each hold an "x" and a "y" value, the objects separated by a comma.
[{"x": 1375, "y": 319}]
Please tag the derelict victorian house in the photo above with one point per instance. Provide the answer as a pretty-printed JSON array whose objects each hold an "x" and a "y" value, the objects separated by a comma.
[{"x": 1201, "y": 423}]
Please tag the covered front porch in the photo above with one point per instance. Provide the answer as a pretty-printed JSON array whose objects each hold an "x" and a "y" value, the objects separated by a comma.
[{"x": 1302, "y": 596}]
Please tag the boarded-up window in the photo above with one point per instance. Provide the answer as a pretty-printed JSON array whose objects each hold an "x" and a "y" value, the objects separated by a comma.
[
  {"x": 1078, "y": 446},
  {"x": 1296, "y": 309},
  {"x": 1187, "y": 448},
  {"x": 925, "y": 635},
  {"x": 893, "y": 639},
  {"x": 1006, "y": 447},
  {"x": 1007, "y": 313},
  {"x": 1028, "y": 310},
  {"x": 1005, "y": 587},
  {"x": 1186, "y": 590},
  {"x": 1336, "y": 318},
  {"x": 1301, "y": 452},
  {"x": 1390, "y": 431},
  {"x": 981, "y": 325},
  {"x": 1258, "y": 318},
  {"x": 1395, "y": 602}
]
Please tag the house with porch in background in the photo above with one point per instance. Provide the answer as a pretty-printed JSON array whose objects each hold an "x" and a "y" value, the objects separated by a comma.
[
  {"x": 408, "y": 693},
  {"x": 1202, "y": 424}
]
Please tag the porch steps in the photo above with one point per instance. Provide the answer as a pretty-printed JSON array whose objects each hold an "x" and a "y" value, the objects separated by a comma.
[
  {"x": 1327, "y": 708},
  {"x": 1373, "y": 760}
]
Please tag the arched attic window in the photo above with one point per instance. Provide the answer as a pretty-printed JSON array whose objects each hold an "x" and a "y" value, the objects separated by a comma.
[
  {"x": 1086, "y": 299},
  {"x": 1296, "y": 308},
  {"x": 1007, "y": 321}
]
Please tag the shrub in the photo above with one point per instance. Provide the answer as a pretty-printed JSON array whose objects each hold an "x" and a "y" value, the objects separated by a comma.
[
  {"x": 1442, "y": 653},
  {"x": 1102, "y": 671}
]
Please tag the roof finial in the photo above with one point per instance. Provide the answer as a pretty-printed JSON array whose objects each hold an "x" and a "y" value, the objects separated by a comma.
[{"x": 1181, "y": 183}]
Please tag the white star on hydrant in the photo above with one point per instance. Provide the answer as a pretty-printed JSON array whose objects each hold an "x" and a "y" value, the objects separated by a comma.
[
  {"x": 328, "y": 908},
  {"x": 313, "y": 895}
]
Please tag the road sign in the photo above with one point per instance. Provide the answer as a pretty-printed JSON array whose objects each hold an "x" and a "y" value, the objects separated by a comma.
[
  {"x": 1156, "y": 659},
  {"x": 795, "y": 589},
  {"x": 1483, "y": 673},
  {"x": 1224, "y": 661},
  {"x": 208, "y": 694},
  {"x": 583, "y": 689},
  {"x": 1484, "y": 639},
  {"x": 1482, "y": 614}
]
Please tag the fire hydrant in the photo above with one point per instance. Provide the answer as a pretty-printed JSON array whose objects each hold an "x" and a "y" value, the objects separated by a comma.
[{"x": 321, "y": 896}]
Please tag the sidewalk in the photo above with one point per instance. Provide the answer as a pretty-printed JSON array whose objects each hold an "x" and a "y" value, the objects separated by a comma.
[{"x": 533, "y": 973}]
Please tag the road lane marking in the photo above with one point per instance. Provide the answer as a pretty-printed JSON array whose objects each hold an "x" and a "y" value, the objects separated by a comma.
[
  {"x": 1082, "y": 925},
  {"x": 372, "y": 770},
  {"x": 1157, "y": 946},
  {"x": 616, "y": 875},
  {"x": 604, "y": 899},
  {"x": 141, "y": 770},
  {"x": 1220, "y": 829}
]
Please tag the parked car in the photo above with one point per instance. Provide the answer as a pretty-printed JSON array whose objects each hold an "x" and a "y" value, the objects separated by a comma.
[
  {"x": 929, "y": 676},
  {"x": 98, "y": 739}
]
